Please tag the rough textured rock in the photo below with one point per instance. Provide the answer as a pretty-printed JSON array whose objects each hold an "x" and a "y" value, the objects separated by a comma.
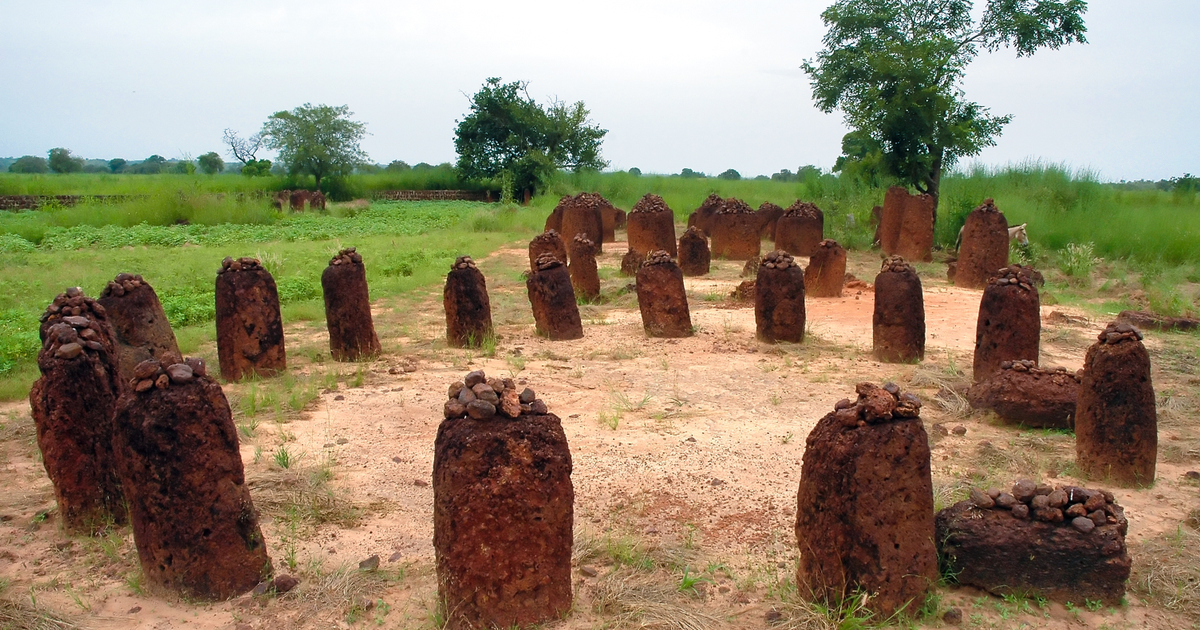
[
  {"x": 468, "y": 309},
  {"x": 826, "y": 270},
  {"x": 548, "y": 242},
  {"x": 800, "y": 230},
  {"x": 898, "y": 323},
  {"x": 984, "y": 247},
  {"x": 585, "y": 276},
  {"x": 662, "y": 298},
  {"x": 906, "y": 226},
  {"x": 702, "y": 216},
  {"x": 194, "y": 524},
  {"x": 768, "y": 218},
  {"x": 631, "y": 262},
  {"x": 864, "y": 515},
  {"x": 651, "y": 226},
  {"x": 694, "y": 257},
  {"x": 779, "y": 299},
  {"x": 348, "y": 308},
  {"x": 139, "y": 322},
  {"x": 745, "y": 291},
  {"x": 1004, "y": 550},
  {"x": 1022, "y": 393},
  {"x": 734, "y": 231},
  {"x": 1010, "y": 322},
  {"x": 502, "y": 519},
  {"x": 249, "y": 326},
  {"x": 72, "y": 406},
  {"x": 611, "y": 218},
  {"x": 1116, "y": 425},
  {"x": 581, "y": 214},
  {"x": 1153, "y": 321},
  {"x": 555, "y": 313}
]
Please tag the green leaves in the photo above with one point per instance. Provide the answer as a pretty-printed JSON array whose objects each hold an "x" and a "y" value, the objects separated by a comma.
[{"x": 317, "y": 140}]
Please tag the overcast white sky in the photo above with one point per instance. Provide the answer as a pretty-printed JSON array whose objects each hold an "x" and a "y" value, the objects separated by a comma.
[{"x": 701, "y": 84}]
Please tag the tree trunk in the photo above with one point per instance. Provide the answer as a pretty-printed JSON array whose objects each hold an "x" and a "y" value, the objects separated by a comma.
[{"x": 934, "y": 182}]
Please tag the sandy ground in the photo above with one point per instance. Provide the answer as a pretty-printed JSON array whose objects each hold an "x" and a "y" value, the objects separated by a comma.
[{"x": 689, "y": 448}]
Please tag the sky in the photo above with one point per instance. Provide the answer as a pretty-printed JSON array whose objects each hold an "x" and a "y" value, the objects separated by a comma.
[{"x": 706, "y": 85}]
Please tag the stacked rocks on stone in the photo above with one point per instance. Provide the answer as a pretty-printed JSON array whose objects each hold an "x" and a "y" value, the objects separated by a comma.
[
  {"x": 631, "y": 262},
  {"x": 585, "y": 276},
  {"x": 139, "y": 322},
  {"x": 580, "y": 214},
  {"x": 1066, "y": 543},
  {"x": 779, "y": 299},
  {"x": 72, "y": 406},
  {"x": 548, "y": 242},
  {"x": 768, "y": 218},
  {"x": 503, "y": 507},
  {"x": 694, "y": 256},
  {"x": 1022, "y": 393},
  {"x": 662, "y": 298},
  {"x": 194, "y": 524},
  {"x": 906, "y": 224},
  {"x": 348, "y": 308},
  {"x": 651, "y": 226},
  {"x": 864, "y": 516},
  {"x": 984, "y": 247},
  {"x": 1116, "y": 422},
  {"x": 898, "y": 323},
  {"x": 800, "y": 229},
  {"x": 734, "y": 231},
  {"x": 1010, "y": 322},
  {"x": 702, "y": 217},
  {"x": 249, "y": 326},
  {"x": 555, "y": 313},
  {"x": 468, "y": 308},
  {"x": 826, "y": 271}
]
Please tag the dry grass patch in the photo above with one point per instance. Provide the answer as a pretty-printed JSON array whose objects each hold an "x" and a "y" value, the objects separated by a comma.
[
  {"x": 15, "y": 615},
  {"x": 1166, "y": 570},
  {"x": 627, "y": 598}
]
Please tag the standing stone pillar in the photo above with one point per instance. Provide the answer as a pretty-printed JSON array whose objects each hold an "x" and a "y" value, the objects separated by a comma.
[
  {"x": 503, "y": 508},
  {"x": 139, "y": 322},
  {"x": 906, "y": 226},
  {"x": 651, "y": 226},
  {"x": 348, "y": 308},
  {"x": 585, "y": 276},
  {"x": 984, "y": 246},
  {"x": 72, "y": 406},
  {"x": 779, "y": 299},
  {"x": 768, "y": 218},
  {"x": 583, "y": 214},
  {"x": 694, "y": 257},
  {"x": 194, "y": 525},
  {"x": 249, "y": 326},
  {"x": 864, "y": 513},
  {"x": 826, "y": 271},
  {"x": 800, "y": 229},
  {"x": 735, "y": 228},
  {"x": 702, "y": 217},
  {"x": 1010, "y": 322},
  {"x": 548, "y": 242},
  {"x": 662, "y": 298},
  {"x": 555, "y": 313},
  {"x": 468, "y": 309},
  {"x": 898, "y": 325},
  {"x": 611, "y": 218},
  {"x": 631, "y": 262},
  {"x": 1116, "y": 423}
]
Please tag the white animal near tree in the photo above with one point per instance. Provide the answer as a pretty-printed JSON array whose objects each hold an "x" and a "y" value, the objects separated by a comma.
[{"x": 1015, "y": 233}]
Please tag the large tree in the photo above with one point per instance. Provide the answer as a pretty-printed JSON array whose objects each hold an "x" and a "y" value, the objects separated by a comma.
[
  {"x": 509, "y": 135},
  {"x": 317, "y": 140},
  {"x": 211, "y": 163},
  {"x": 895, "y": 69},
  {"x": 29, "y": 164},
  {"x": 61, "y": 161}
]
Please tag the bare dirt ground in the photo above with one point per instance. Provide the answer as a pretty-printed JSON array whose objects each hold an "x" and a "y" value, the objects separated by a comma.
[{"x": 686, "y": 452}]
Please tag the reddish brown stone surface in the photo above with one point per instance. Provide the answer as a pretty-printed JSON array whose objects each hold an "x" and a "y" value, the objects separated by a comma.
[
  {"x": 611, "y": 218},
  {"x": 548, "y": 242},
  {"x": 702, "y": 216},
  {"x": 1022, "y": 393},
  {"x": 864, "y": 514},
  {"x": 316, "y": 200},
  {"x": 662, "y": 298},
  {"x": 194, "y": 525},
  {"x": 281, "y": 199},
  {"x": 1116, "y": 424},
  {"x": 299, "y": 199},
  {"x": 694, "y": 257},
  {"x": 734, "y": 231},
  {"x": 348, "y": 308},
  {"x": 898, "y": 323},
  {"x": 631, "y": 262},
  {"x": 826, "y": 271},
  {"x": 555, "y": 313},
  {"x": 72, "y": 406},
  {"x": 768, "y": 217},
  {"x": 1154, "y": 321},
  {"x": 745, "y": 291},
  {"x": 249, "y": 326},
  {"x": 779, "y": 299},
  {"x": 651, "y": 226},
  {"x": 585, "y": 276},
  {"x": 468, "y": 309},
  {"x": 984, "y": 246},
  {"x": 1001, "y": 543},
  {"x": 1010, "y": 322},
  {"x": 906, "y": 227},
  {"x": 581, "y": 214},
  {"x": 139, "y": 322},
  {"x": 800, "y": 230}
]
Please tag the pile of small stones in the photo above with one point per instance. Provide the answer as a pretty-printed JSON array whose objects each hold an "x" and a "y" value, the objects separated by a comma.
[
  {"x": 734, "y": 206},
  {"x": 1013, "y": 274},
  {"x": 347, "y": 256},
  {"x": 465, "y": 262},
  {"x": 778, "y": 260},
  {"x": 237, "y": 264},
  {"x": 483, "y": 398},
  {"x": 657, "y": 257},
  {"x": 1084, "y": 509},
  {"x": 585, "y": 200},
  {"x": 122, "y": 284},
  {"x": 877, "y": 405},
  {"x": 1118, "y": 332},
  {"x": 151, "y": 374},
  {"x": 895, "y": 264},
  {"x": 71, "y": 303},
  {"x": 548, "y": 261},
  {"x": 802, "y": 209},
  {"x": 1025, "y": 365},
  {"x": 650, "y": 203},
  {"x": 73, "y": 334},
  {"x": 581, "y": 239}
]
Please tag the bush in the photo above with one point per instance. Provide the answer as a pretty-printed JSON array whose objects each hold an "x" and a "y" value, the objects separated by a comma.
[{"x": 29, "y": 164}]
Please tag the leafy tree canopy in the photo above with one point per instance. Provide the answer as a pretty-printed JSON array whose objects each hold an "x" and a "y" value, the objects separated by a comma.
[
  {"x": 29, "y": 164},
  {"x": 635, "y": 171},
  {"x": 61, "y": 161},
  {"x": 730, "y": 174},
  {"x": 211, "y": 163},
  {"x": 117, "y": 165},
  {"x": 509, "y": 135},
  {"x": 688, "y": 173},
  {"x": 894, "y": 68},
  {"x": 397, "y": 166},
  {"x": 317, "y": 140}
]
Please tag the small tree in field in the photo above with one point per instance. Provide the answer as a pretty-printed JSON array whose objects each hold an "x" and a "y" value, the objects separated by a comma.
[
  {"x": 61, "y": 161},
  {"x": 29, "y": 164},
  {"x": 117, "y": 165},
  {"x": 317, "y": 140},
  {"x": 895, "y": 68},
  {"x": 211, "y": 163}
]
